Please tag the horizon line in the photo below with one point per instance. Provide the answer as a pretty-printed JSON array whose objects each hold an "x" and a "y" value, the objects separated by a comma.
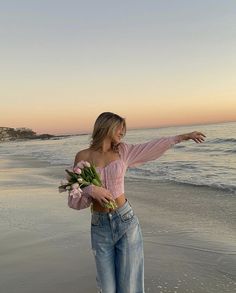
[{"x": 156, "y": 127}]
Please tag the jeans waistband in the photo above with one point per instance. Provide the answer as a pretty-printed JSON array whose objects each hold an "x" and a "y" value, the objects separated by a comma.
[{"x": 119, "y": 211}]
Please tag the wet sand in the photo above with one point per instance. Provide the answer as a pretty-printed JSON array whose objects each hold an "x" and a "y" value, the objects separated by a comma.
[{"x": 189, "y": 234}]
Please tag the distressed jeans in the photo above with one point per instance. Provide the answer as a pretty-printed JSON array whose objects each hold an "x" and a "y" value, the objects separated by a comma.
[{"x": 117, "y": 245}]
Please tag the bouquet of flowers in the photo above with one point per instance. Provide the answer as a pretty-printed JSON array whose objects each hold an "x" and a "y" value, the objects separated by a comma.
[{"x": 82, "y": 175}]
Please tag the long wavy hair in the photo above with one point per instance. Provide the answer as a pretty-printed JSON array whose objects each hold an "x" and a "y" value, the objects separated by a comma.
[{"x": 105, "y": 125}]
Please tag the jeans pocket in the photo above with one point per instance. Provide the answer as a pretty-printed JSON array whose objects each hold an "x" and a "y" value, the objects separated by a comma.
[
  {"x": 128, "y": 216},
  {"x": 95, "y": 220}
]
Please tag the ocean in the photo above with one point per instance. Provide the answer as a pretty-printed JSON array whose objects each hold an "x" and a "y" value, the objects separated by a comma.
[{"x": 211, "y": 164}]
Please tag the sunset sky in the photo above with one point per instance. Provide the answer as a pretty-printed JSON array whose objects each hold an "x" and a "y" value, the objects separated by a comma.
[{"x": 156, "y": 63}]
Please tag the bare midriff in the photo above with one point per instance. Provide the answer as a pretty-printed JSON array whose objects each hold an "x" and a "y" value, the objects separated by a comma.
[{"x": 120, "y": 200}]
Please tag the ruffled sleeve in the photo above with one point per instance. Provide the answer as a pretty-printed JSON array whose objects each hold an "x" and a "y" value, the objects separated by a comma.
[
  {"x": 136, "y": 154},
  {"x": 82, "y": 202}
]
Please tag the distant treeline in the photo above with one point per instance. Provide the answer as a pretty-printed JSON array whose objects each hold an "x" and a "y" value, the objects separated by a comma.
[{"x": 9, "y": 134}]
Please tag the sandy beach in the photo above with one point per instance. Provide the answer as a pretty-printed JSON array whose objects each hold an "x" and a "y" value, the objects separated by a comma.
[{"x": 189, "y": 234}]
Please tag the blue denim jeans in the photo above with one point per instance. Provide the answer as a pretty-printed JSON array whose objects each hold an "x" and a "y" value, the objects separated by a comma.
[{"x": 117, "y": 245}]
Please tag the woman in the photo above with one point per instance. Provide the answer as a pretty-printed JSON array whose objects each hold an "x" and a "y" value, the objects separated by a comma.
[{"x": 116, "y": 236}]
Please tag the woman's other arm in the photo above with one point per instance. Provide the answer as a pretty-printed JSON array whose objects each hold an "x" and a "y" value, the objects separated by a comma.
[{"x": 102, "y": 195}]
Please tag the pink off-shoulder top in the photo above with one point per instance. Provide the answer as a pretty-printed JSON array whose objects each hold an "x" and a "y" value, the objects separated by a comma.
[{"x": 113, "y": 174}]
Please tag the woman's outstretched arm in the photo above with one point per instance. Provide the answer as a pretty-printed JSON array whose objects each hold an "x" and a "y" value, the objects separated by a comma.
[{"x": 136, "y": 154}]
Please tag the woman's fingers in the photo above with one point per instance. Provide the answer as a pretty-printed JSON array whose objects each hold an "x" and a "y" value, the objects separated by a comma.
[
  {"x": 104, "y": 200},
  {"x": 108, "y": 195},
  {"x": 102, "y": 195},
  {"x": 108, "y": 198},
  {"x": 201, "y": 136},
  {"x": 198, "y": 137}
]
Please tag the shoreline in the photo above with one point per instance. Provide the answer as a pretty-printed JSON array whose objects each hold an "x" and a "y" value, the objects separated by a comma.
[
  {"x": 41, "y": 137},
  {"x": 189, "y": 234}
]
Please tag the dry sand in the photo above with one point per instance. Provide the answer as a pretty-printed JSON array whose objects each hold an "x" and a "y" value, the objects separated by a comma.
[{"x": 189, "y": 235}]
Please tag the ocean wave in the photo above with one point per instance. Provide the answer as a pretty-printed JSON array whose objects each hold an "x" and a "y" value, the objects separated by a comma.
[
  {"x": 180, "y": 146},
  {"x": 222, "y": 140},
  {"x": 218, "y": 186},
  {"x": 233, "y": 151},
  {"x": 212, "y": 150},
  {"x": 231, "y": 189},
  {"x": 176, "y": 175}
]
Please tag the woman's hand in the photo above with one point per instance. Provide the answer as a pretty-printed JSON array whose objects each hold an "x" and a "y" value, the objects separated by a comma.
[
  {"x": 197, "y": 136},
  {"x": 102, "y": 195}
]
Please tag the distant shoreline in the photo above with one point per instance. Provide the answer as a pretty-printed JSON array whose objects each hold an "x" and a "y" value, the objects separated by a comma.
[
  {"x": 52, "y": 137},
  {"x": 8, "y": 134}
]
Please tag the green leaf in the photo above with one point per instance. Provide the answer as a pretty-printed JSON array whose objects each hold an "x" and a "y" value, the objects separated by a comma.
[
  {"x": 96, "y": 182},
  {"x": 72, "y": 175}
]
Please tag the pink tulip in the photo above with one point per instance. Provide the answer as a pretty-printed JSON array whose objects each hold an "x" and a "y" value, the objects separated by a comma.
[
  {"x": 87, "y": 164},
  {"x": 77, "y": 170},
  {"x": 75, "y": 193}
]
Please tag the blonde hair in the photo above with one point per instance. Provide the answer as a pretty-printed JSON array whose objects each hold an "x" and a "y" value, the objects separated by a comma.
[{"x": 105, "y": 125}]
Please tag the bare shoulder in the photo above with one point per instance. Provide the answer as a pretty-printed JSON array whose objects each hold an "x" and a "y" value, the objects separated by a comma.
[{"x": 82, "y": 155}]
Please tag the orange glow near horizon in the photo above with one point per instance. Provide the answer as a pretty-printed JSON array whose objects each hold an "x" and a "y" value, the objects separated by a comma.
[
  {"x": 69, "y": 122},
  {"x": 75, "y": 111},
  {"x": 61, "y": 115}
]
